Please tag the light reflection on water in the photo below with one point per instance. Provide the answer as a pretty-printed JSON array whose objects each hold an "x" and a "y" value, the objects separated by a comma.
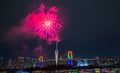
[{"x": 96, "y": 70}]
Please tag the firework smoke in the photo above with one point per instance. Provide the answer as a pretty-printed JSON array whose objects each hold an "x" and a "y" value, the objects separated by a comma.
[{"x": 42, "y": 26}]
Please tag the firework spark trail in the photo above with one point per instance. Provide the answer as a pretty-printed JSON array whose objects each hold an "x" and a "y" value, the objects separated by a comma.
[{"x": 45, "y": 24}]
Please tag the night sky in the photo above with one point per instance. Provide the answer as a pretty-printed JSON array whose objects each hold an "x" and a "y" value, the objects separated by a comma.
[{"x": 91, "y": 28}]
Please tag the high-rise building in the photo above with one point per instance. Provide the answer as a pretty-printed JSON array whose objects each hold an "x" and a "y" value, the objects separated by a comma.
[
  {"x": 9, "y": 62},
  {"x": 27, "y": 61},
  {"x": 21, "y": 61}
]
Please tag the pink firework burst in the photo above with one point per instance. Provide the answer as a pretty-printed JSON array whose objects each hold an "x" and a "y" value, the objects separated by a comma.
[{"x": 45, "y": 24}]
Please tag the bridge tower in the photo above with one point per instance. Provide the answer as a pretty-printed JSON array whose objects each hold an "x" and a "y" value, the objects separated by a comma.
[{"x": 70, "y": 57}]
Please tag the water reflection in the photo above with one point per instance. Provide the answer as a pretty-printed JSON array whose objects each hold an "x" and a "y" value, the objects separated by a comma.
[{"x": 96, "y": 70}]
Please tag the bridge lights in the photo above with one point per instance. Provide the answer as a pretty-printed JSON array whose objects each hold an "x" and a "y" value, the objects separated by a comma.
[{"x": 70, "y": 62}]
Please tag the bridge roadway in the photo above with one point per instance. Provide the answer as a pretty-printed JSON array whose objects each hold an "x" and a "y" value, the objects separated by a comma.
[{"x": 84, "y": 59}]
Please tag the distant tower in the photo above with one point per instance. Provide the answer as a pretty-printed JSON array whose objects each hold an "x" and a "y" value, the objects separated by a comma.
[{"x": 56, "y": 54}]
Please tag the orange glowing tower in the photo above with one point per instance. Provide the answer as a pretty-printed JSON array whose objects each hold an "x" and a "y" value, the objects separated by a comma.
[{"x": 70, "y": 56}]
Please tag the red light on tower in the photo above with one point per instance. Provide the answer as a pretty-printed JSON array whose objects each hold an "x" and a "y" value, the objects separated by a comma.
[
  {"x": 70, "y": 56},
  {"x": 40, "y": 58}
]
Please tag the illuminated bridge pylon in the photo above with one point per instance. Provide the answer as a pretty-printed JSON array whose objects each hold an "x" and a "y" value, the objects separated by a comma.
[{"x": 70, "y": 58}]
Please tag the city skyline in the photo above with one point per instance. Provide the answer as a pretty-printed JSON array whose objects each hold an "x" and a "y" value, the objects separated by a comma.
[{"x": 91, "y": 28}]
